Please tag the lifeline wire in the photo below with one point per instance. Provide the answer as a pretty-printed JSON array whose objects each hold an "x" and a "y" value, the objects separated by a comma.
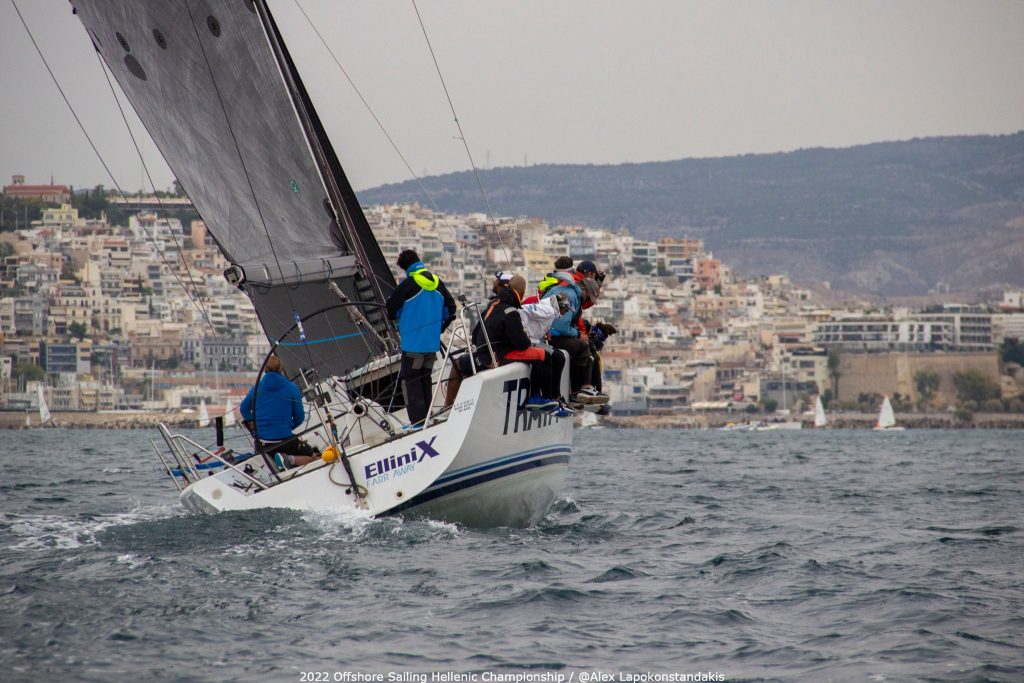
[
  {"x": 184, "y": 261},
  {"x": 393, "y": 144},
  {"x": 462, "y": 135},
  {"x": 100, "y": 157}
]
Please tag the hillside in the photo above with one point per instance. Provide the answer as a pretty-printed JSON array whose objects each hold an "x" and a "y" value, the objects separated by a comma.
[{"x": 893, "y": 218}]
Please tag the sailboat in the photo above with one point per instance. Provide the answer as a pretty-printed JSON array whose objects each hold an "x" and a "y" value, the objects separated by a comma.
[
  {"x": 44, "y": 410},
  {"x": 819, "y": 414},
  {"x": 204, "y": 415},
  {"x": 229, "y": 414},
  {"x": 887, "y": 418},
  {"x": 220, "y": 95},
  {"x": 588, "y": 420}
]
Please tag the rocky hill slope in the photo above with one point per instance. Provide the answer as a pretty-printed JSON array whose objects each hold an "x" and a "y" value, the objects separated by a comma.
[{"x": 894, "y": 218}]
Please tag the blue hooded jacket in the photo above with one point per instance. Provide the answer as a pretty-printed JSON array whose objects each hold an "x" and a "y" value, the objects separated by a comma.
[
  {"x": 423, "y": 308},
  {"x": 278, "y": 407},
  {"x": 563, "y": 325}
]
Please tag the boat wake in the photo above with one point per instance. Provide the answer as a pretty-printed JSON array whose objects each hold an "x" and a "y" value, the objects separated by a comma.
[{"x": 47, "y": 532}]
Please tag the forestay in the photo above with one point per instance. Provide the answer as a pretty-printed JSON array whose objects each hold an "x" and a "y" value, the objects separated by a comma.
[{"x": 215, "y": 86}]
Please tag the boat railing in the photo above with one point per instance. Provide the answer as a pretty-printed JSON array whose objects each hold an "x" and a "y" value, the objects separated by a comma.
[
  {"x": 183, "y": 449},
  {"x": 461, "y": 333},
  {"x": 189, "y": 469}
]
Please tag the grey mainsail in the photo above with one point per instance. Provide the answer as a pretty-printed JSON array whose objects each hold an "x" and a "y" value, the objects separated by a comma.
[{"x": 220, "y": 96}]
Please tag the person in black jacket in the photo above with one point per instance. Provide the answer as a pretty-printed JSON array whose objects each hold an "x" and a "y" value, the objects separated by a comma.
[
  {"x": 510, "y": 343},
  {"x": 424, "y": 309}
]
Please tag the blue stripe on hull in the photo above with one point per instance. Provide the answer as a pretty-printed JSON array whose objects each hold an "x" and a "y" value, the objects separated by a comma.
[
  {"x": 493, "y": 471},
  {"x": 498, "y": 462}
]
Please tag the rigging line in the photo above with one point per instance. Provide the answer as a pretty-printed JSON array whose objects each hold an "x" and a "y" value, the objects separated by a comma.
[
  {"x": 387, "y": 135},
  {"x": 163, "y": 210},
  {"x": 462, "y": 135},
  {"x": 99, "y": 156},
  {"x": 373, "y": 114},
  {"x": 241, "y": 160}
]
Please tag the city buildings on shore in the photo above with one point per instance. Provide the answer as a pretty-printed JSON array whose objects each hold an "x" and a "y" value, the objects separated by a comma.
[{"x": 99, "y": 315}]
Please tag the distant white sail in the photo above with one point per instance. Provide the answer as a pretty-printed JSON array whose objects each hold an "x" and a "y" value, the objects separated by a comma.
[
  {"x": 886, "y": 417},
  {"x": 44, "y": 411},
  {"x": 229, "y": 414},
  {"x": 204, "y": 415},
  {"x": 819, "y": 413}
]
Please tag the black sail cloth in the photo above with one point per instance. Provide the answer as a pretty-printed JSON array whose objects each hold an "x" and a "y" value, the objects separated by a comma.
[{"x": 203, "y": 77}]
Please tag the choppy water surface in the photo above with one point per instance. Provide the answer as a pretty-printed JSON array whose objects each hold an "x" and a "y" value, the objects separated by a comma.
[{"x": 835, "y": 555}]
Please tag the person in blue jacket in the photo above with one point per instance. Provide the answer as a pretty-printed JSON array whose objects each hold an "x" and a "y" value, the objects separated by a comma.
[
  {"x": 278, "y": 411},
  {"x": 423, "y": 308},
  {"x": 565, "y": 335}
]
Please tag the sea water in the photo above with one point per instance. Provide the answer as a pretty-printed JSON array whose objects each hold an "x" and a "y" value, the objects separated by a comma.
[{"x": 814, "y": 555}]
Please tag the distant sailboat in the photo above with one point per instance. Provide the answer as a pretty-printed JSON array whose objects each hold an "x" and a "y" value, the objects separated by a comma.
[
  {"x": 229, "y": 414},
  {"x": 819, "y": 414},
  {"x": 887, "y": 418},
  {"x": 44, "y": 411},
  {"x": 204, "y": 415}
]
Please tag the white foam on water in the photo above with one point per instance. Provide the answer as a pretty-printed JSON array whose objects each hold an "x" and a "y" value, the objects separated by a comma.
[
  {"x": 131, "y": 560},
  {"x": 449, "y": 529},
  {"x": 43, "y": 532},
  {"x": 344, "y": 521}
]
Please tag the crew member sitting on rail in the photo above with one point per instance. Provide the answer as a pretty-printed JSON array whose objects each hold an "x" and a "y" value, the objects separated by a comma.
[
  {"x": 424, "y": 309},
  {"x": 511, "y": 343},
  {"x": 278, "y": 411}
]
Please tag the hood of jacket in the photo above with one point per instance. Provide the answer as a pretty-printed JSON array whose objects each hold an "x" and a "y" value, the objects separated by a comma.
[
  {"x": 273, "y": 381},
  {"x": 508, "y": 296}
]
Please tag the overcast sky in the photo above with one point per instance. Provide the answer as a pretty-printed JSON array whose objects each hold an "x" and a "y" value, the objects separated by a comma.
[{"x": 565, "y": 81}]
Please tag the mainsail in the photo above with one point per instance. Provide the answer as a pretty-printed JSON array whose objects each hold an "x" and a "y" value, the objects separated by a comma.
[
  {"x": 220, "y": 96},
  {"x": 44, "y": 411},
  {"x": 819, "y": 413},
  {"x": 886, "y": 416}
]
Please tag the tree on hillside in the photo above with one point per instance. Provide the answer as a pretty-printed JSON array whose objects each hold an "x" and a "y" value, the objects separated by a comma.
[
  {"x": 927, "y": 383},
  {"x": 1013, "y": 351},
  {"x": 833, "y": 369},
  {"x": 92, "y": 203},
  {"x": 826, "y": 398},
  {"x": 29, "y": 371},
  {"x": 78, "y": 330},
  {"x": 643, "y": 267},
  {"x": 973, "y": 385}
]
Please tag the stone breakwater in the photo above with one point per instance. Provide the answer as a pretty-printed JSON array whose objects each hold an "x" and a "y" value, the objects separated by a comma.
[
  {"x": 119, "y": 420},
  {"x": 149, "y": 420},
  {"x": 835, "y": 421}
]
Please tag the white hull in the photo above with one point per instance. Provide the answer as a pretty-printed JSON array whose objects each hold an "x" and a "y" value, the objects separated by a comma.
[{"x": 495, "y": 466}]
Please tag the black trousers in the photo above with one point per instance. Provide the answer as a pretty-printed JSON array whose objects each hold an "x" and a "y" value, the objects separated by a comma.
[
  {"x": 596, "y": 369},
  {"x": 546, "y": 375},
  {"x": 415, "y": 376},
  {"x": 581, "y": 363},
  {"x": 292, "y": 446}
]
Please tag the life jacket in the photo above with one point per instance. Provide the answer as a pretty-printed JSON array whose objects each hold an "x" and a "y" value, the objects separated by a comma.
[
  {"x": 419, "y": 322},
  {"x": 552, "y": 279}
]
